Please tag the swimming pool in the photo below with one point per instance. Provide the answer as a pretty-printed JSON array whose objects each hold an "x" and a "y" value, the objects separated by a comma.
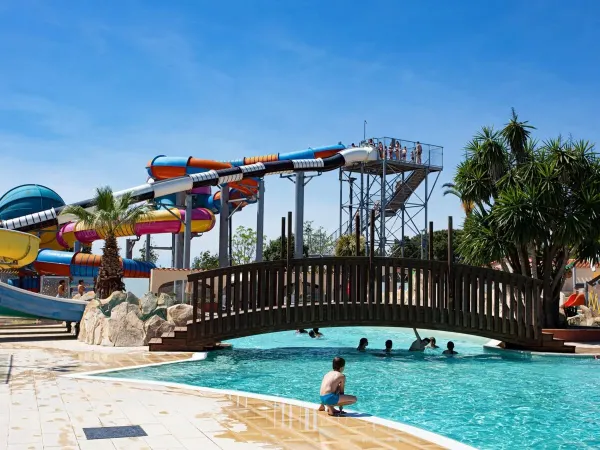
[{"x": 481, "y": 398}]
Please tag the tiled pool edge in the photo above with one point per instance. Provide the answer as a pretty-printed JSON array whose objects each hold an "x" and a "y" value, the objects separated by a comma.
[{"x": 399, "y": 426}]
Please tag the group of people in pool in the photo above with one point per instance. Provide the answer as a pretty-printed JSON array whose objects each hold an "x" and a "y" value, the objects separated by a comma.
[
  {"x": 333, "y": 384},
  {"x": 418, "y": 345},
  {"x": 314, "y": 333}
]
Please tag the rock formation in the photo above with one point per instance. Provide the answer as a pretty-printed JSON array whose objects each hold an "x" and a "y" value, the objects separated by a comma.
[{"x": 123, "y": 320}]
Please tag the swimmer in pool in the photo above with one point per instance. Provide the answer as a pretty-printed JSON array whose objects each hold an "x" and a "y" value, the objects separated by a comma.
[
  {"x": 432, "y": 343},
  {"x": 450, "y": 350},
  {"x": 419, "y": 344},
  {"x": 362, "y": 345},
  {"x": 332, "y": 389},
  {"x": 388, "y": 346}
]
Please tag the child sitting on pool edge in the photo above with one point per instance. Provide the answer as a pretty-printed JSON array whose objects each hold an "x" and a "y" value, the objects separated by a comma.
[{"x": 332, "y": 389}]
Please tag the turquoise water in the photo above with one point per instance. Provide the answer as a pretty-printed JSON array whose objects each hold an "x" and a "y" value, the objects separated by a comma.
[{"x": 481, "y": 398}]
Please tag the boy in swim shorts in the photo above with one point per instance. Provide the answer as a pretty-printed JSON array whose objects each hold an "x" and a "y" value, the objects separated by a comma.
[{"x": 332, "y": 389}]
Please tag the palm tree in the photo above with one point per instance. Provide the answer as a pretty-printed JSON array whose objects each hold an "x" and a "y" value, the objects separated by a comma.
[
  {"x": 535, "y": 206},
  {"x": 467, "y": 205},
  {"x": 109, "y": 215},
  {"x": 346, "y": 245}
]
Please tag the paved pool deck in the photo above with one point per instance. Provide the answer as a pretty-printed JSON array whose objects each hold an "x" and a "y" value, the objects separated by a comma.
[{"x": 45, "y": 403}]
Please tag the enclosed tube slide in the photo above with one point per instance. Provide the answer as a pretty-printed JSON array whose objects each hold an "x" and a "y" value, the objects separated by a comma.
[
  {"x": 169, "y": 220},
  {"x": 234, "y": 174},
  {"x": 68, "y": 264},
  {"x": 166, "y": 167},
  {"x": 17, "y": 249}
]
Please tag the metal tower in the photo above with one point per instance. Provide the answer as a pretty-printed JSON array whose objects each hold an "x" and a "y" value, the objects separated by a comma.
[{"x": 397, "y": 186}]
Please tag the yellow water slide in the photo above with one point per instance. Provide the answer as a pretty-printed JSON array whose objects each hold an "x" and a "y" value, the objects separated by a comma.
[{"x": 17, "y": 249}]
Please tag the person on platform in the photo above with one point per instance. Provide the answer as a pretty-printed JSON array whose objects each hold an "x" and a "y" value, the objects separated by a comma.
[
  {"x": 332, "y": 389},
  {"x": 419, "y": 152},
  {"x": 81, "y": 288},
  {"x": 62, "y": 289}
]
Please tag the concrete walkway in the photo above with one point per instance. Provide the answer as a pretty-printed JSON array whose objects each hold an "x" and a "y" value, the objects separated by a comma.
[{"x": 40, "y": 408}]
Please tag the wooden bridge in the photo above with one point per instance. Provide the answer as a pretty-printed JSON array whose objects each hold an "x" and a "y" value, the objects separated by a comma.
[{"x": 291, "y": 294}]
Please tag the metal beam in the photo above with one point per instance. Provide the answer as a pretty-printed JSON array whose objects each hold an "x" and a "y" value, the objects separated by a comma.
[
  {"x": 299, "y": 238},
  {"x": 187, "y": 236},
  {"x": 260, "y": 220},
  {"x": 223, "y": 227}
]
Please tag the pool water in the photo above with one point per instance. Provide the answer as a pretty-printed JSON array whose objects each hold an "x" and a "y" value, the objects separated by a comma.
[{"x": 479, "y": 397}]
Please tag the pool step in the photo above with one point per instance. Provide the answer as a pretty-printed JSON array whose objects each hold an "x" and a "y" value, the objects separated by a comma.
[
  {"x": 176, "y": 341},
  {"x": 549, "y": 344}
]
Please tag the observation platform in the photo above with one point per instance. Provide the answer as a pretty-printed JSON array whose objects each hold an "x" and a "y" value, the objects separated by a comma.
[{"x": 395, "y": 162}]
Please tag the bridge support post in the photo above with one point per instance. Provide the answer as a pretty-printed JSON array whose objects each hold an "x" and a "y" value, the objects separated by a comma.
[
  {"x": 283, "y": 240},
  {"x": 357, "y": 234},
  {"x": 223, "y": 227},
  {"x": 430, "y": 249}
]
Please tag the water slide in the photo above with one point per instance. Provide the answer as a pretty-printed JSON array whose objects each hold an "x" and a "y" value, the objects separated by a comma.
[
  {"x": 169, "y": 176},
  {"x": 17, "y": 250}
]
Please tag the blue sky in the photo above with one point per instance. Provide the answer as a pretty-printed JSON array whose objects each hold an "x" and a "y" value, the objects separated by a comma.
[{"x": 90, "y": 91}]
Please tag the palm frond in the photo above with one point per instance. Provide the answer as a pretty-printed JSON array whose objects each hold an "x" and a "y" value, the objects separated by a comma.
[{"x": 80, "y": 213}]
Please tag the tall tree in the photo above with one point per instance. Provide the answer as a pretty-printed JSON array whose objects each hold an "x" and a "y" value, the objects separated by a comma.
[
  {"x": 346, "y": 245},
  {"x": 412, "y": 246},
  {"x": 535, "y": 205},
  {"x": 243, "y": 245},
  {"x": 110, "y": 214},
  {"x": 318, "y": 240},
  {"x": 206, "y": 261},
  {"x": 272, "y": 251}
]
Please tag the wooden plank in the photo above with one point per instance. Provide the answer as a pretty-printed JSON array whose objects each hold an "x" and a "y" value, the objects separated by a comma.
[
  {"x": 395, "y": 306},
  {"x": 504, "y": 297},
  {"x": 244, "y": 298},
  {"x": 202, "y": 327},
  {"x": 410, "y": 293},
  {"x": 236, "y": 274},
  {"x": 228, "y": 304},
  {"x": 520, "y": 309},
  {"x": 466, "y": 321},
  {"x": 427, "y": 316},
  {"x": 456, "y": 305},
  {"x": 330, "y": 290},
  {"x": 387, "y": 310},
  {"x": 313, "y": 293},
  {"x": 529, "y": 309},
  {"x": 217, "y": 281},
  {"x": 281, "y": 295},
  {"x": 497, "y": 302},
  {"x": 489, "y": 310},
  {"x": 194, "y": 302},
  {"x": 403, "y": 284},
  {"x": 322, "y": 294},
  {"x": 288, "y": 291},
  {"x": 537, "y": 310},
  {"x": 514, "y": 292},
  {"x": 272, "y": 283},
  {"x": 262, "y": 295},
  {"x": 379, "y": 295},
  {"x": 474, "y": 298},
  {"x": 442, "y": 295},
  {"x": 343, "y": 307},
  {"x": 305, "y": 291},
  {"x": 481, "y": 307},
  {"x": 298, "y": 311}
]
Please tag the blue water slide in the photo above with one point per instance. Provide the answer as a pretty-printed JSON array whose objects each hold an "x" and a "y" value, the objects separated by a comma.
[{"x": 17, "y": 302}]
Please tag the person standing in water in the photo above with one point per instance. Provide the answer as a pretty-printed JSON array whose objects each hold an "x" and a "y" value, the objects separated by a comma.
[
  {"x": 332, "y": 389},
  {"x": 419, "y": 344},
  {"x": 450, "y": 350},
  {"x": 362, "y": 345},
  {"x": 388, "y": 346},
  {"x": 81, "y": 287}
]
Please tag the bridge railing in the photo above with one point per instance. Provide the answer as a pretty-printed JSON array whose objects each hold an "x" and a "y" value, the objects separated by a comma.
[{"x": 278, "y": 295}]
